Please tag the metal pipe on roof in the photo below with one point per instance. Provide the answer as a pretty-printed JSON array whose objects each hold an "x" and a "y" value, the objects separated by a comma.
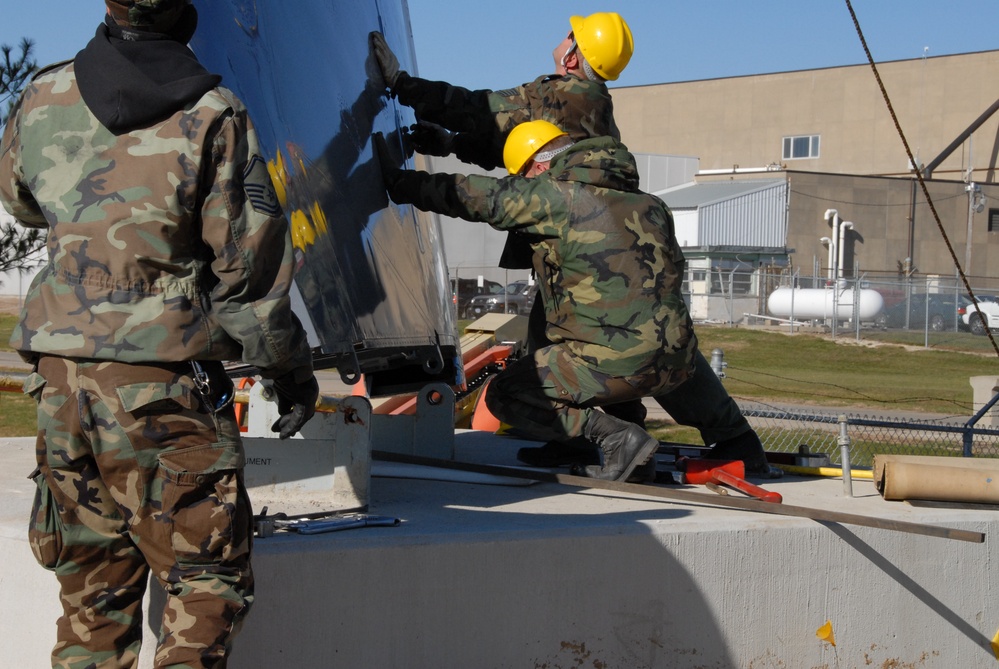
[
  {"x": 826, "y": 242},
  {"x": 843, "y": 227},
  {"x": 833, "y": 251}
]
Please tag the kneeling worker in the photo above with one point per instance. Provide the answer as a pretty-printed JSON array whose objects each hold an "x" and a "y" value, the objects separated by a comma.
[{"x": 609, "y": 272}]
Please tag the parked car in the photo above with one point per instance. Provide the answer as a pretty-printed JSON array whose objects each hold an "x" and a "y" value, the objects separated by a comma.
[
  {"x": 990, "y": 314},
  {"x": 517, "y": 298},
  {"x": 943, "y": 312},
  {"x": 463, "y": 291}
]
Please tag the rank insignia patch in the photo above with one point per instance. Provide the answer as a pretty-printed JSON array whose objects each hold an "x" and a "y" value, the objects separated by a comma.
[{"x": 259, "y": 189}]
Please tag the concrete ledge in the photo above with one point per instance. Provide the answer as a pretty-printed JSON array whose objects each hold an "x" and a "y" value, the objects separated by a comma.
[{"x": 541, "y": 576}]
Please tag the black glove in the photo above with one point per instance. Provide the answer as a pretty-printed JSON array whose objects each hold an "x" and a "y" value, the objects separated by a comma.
[
  {"x": 297, "y": 392},
  {"x": 387, "y": 162},
  {"x": 387, "y": 62},
  {"x": 430, "y": 139}
]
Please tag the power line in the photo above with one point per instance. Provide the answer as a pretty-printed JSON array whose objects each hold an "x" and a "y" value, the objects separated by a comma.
[{"x": 919, "y": 174}]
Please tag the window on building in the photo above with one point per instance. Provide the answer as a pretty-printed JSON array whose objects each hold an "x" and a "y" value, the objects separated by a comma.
[
  {"x": 993, "y": 220},
  {"x": 802, "y": 146}
]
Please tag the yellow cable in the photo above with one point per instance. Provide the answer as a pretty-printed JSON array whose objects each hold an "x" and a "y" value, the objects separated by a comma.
[{"x": 827, "y": 471}]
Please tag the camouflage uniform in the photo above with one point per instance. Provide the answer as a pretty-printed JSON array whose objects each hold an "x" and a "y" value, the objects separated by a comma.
[
  {"x": 610, "y": 271},
  {"x": 135, "y": 475},
  {"x": 183, "y": 255},
  {"x": 165, "y": 245},
  {"x": 482, "y": 120}
]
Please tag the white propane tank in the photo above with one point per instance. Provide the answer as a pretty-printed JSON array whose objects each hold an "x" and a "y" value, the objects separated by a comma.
[{"x": 808, "y": 303}]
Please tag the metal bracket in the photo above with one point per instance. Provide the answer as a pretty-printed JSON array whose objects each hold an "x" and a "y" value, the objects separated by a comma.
[
  {"x": 326, "y": 468},
  {"x": 429, "y": 431}
]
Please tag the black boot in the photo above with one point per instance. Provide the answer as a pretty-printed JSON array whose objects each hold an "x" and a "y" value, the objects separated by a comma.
[
  {"x": 561, "y": 453},
  {"x": 647, "y": 473},
  {"x": 623, "y": 446},
  {"x": 632, "y": 411},
  {"x": 745, "y": 447},
  {"x": 580, "y": 450},
  {"x": 644, "y": 473}
]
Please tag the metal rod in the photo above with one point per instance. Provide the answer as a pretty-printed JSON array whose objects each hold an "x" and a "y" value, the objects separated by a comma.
[
  {"x": 970, "y": 425},
  {"x": 745, "y": 504},
  {"x": 933, "y": 164},
  {"x": 844, "y": 449}
]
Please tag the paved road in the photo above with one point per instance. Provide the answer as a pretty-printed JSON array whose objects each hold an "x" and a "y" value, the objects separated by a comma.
[{"x": 12, "y": 361}]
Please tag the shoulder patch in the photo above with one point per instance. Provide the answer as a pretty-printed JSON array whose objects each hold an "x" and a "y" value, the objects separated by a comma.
[{"x": 259, "y": 188}]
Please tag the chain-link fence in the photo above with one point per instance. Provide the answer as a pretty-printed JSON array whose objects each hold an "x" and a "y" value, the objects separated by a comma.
[
  {"x": 923, "y": 309},
  {"x": 901, "y": 306},
  {"x": 904, "y": 307},
  {"x": 915, "y": 308},
  {"x": 497, "y": 290},
  {"x": 789, "y": 431}
]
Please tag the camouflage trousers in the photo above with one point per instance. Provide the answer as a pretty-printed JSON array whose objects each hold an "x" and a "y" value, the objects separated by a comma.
[
  {"x": 700, "y": 402},
  {"x": 703, "y": 403},
  {"x": 551, "y": 393},
  {"x": 136, "y": 476}
]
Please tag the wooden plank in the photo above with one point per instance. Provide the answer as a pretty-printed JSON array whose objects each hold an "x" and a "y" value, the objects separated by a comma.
[{"x": 690, "y": 497}]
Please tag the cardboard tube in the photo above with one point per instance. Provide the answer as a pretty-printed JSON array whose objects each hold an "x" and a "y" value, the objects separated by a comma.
[{"x": 937, "y": 478}]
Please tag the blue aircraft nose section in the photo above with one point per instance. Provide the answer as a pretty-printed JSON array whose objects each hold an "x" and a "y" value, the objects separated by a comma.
[{"x": 372, "y": 277}]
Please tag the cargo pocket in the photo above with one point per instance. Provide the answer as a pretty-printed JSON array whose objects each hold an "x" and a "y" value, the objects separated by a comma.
[
  {"x": 45, "y": 527},
  {"x": 33, "y": 386},
  {"x": 201, "y": 500},
  {"x": 567, "y": 378}
]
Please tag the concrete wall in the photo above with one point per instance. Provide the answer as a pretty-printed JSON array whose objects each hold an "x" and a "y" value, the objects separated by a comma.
[
  {"x": 742, "y": 120},
  {"x": 541, "y": 576},
  {"x": 880, "y": 209}
]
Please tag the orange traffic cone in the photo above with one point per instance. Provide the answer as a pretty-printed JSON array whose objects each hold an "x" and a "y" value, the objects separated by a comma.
[{"x": 482, "y": 418}]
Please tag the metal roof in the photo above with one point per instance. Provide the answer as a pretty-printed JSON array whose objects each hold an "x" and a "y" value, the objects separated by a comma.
[{"x": 697, "y": 195}]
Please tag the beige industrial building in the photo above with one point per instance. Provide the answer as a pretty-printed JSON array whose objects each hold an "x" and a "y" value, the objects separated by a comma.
[{"x": 829, "y": 136}]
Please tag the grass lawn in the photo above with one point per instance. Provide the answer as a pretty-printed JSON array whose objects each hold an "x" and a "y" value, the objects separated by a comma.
[
  {"x": 17, "y": 412},
  {"x": 811, "y": 369},
  {"x": 766, "y": 365},
  {"x": 7, "y": 322}
]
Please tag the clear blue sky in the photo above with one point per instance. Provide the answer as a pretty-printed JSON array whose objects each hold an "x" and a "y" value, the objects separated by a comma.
[{"x": 500, "y": 44}]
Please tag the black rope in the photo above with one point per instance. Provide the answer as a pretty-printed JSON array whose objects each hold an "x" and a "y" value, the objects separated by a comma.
[{"x": 919, "y": 176}]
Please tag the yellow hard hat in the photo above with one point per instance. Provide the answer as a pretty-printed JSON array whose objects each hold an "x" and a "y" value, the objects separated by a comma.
[
  {"x": 525, "y": 140},
  {"x": 605, "y": 41}
]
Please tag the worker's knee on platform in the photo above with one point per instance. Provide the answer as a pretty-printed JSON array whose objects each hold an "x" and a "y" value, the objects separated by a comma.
[{"x": 494, "y": 398}]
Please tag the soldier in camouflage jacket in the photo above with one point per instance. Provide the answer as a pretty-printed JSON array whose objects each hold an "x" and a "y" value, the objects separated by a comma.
[
  {"x": 474, "y": 127},
  {"x": 609, "y": 271},
  {"x": 166, "y": 246}
]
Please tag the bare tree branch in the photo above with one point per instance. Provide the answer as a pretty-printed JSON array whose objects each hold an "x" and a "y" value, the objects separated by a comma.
[{"x": 18, "y": 245}]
